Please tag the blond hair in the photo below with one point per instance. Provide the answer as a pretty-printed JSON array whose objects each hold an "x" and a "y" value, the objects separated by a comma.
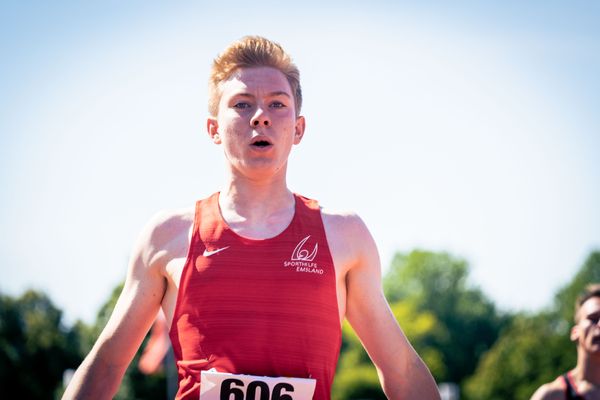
[{"x": 252, "y": 51}]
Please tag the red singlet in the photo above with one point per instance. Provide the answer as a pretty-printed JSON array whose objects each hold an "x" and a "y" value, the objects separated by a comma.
[{"x": 259, "y": 307}]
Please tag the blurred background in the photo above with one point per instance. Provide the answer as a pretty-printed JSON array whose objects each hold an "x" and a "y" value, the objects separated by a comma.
[{"x": 465, "y": 135}]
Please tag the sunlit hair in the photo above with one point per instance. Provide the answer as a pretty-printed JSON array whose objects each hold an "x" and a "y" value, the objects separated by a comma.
[
  {"x": 590, "y": 291},
  {"x": 252, "y": 51}
]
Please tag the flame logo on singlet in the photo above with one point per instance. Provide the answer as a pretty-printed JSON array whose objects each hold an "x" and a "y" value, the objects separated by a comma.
[{"x": 301, "y": 254}]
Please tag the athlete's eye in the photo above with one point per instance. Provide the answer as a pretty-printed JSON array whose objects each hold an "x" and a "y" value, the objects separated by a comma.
[
  {"x": 241, "y": 105},
  {"x": 277, "y": 104}
]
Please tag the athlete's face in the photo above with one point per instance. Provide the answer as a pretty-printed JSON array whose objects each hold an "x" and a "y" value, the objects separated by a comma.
[
  {"x": 256, "y": 122},
  {"x": 587, "y": 331}
]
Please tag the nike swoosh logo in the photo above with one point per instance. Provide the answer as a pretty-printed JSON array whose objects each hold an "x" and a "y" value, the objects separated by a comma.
[{"x": 210, "y": 253}]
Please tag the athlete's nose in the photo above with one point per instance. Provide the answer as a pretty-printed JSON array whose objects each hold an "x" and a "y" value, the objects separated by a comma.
[{"x": 260, "y": 118}]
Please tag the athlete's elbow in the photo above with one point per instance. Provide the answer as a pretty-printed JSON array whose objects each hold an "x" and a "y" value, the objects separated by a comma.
[
  {"x": 94, "y": 379},
  {"x": 411, "y": 380}
]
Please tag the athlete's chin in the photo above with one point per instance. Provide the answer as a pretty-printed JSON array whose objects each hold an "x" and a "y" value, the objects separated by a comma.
[
  {"x": 594, "y": 349},
  {"x": 262, "y": 169}
]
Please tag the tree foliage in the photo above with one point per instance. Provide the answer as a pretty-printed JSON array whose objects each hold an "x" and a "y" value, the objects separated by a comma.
[
  {"x": 589, "y": 272},
  {"x": 135, "y": 384},
  {"x": 35, "y": 347},
  {"x": 437, "y": 283},
  {"x": 535, "y": 348},
  {"x": 356, "y": 377},
  {"x": 526, "y": 355}
]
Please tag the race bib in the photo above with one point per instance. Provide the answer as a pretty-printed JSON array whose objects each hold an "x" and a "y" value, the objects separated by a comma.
[{"x": 224, "y": 386}]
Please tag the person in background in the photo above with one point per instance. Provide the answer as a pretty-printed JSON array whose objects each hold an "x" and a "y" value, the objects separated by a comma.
[{"x": 583, "y": 381}]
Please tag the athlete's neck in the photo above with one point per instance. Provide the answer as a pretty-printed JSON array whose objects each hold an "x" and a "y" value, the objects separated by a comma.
[
  {"x": 257, "y": 211},
  {"x": 587, "y": 371}
]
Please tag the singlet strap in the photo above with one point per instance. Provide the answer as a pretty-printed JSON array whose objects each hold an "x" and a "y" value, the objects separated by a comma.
[{"x": 570, "y": 391}]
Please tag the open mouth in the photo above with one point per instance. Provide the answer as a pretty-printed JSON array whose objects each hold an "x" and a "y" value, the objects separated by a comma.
[{"x": 261, "y": 143}]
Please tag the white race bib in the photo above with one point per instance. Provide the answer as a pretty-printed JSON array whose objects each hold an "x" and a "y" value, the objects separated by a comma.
[{"x": 224, "y": 386}]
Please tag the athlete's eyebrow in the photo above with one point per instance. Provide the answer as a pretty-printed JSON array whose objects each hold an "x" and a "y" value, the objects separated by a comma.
[
  {"x": 593, "y": 314},
  {"x": 271, "y": 94},
  {"x": 280, "y": 93}
]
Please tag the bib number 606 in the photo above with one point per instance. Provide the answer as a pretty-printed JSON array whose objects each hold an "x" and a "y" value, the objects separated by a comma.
[{"x": 235, "y": 388}]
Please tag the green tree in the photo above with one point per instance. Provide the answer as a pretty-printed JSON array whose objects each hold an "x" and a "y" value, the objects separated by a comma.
[
  {"x": 525, "y": 356},
  {"x": 564, "y": 301},
  {"x": 135, "y": 384},
  {"x": 35, "y": 347},
  {"x": 356, "y": 377},
  {"x": 534, "y": 349},
  {"x": 437, "y": 283}
]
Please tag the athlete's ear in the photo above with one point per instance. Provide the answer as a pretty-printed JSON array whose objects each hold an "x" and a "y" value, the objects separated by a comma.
[
  {"x": 575, "y": 333},
  {"x": 299, "y": 129},
  {"x": 212, "y": 127}
]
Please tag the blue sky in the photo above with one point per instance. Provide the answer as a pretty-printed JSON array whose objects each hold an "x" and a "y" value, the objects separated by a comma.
[{"x": 471, "y": 128}]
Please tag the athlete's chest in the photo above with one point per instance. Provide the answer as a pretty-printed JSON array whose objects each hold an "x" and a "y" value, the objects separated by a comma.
[
  {"x": 300, "y": 266},
  {"x": 289, "y": 256},
  {"x": 240, "y": 273}
]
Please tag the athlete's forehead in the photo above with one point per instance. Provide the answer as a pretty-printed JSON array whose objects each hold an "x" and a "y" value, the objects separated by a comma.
[
  {"x": 256, "y": 80},
  {"x": 590, "y": 307}
]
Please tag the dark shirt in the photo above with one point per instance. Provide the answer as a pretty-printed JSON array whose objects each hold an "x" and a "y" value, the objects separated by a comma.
[{"x": 570, "y": 391}]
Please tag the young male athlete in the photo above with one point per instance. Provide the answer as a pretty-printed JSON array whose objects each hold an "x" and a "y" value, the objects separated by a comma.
[
  {"x": 582, "y": 382},
  {"x": 255, "y": 279}
]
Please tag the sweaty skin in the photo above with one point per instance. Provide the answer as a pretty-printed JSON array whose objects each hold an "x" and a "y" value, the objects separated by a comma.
[{"x": 256, "y": 127}]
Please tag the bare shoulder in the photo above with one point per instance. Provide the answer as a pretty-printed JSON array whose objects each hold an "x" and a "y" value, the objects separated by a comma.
[
  {"x": 550, "y": 391},
  {"x": 165, "y": 234},
  {"x": 343, "y": 223},
  {"x": 349, "y": 239}
]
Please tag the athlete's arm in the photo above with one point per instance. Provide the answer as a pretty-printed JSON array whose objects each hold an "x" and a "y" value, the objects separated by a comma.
[
  {"x": 550, "y": 391},
  {"x": 101, "y": 372},
  {"x": 402, "y": 373}
]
